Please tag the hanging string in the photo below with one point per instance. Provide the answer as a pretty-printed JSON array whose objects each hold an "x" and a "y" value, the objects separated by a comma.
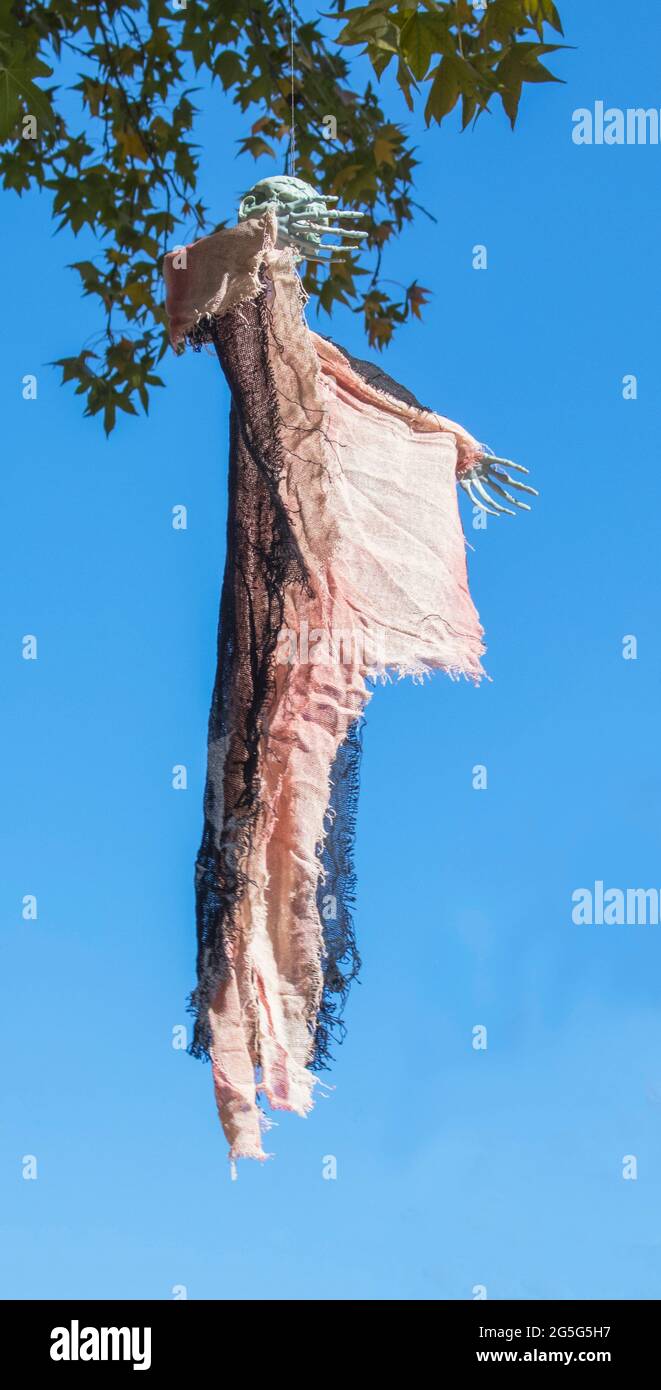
[{"x": 292, "y": 135}]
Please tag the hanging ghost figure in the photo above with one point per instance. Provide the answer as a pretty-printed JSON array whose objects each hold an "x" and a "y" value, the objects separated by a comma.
[{"x": 345, "y": 565}]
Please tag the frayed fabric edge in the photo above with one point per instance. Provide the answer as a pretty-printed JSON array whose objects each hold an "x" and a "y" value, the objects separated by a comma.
[{"x": 419, "y": 673}]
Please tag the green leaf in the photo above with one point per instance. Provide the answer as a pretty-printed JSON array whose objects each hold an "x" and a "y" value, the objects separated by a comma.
[
  {"x": 362, "y": 24},
  {"x": 18, "y": 93},
  {"x": 444, "y": 92},
  {"x": 468, "y": 110},
  {"x": 9, "y": 104},
  {"x": 417, "y": 45},
  {"x": 229, "y": 68},
  {"x": 545, "y": 12},
  {"x": 380, "y": 60}
]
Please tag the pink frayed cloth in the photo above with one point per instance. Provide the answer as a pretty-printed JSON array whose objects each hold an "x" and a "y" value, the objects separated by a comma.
[{"x": 345, "y": 565}]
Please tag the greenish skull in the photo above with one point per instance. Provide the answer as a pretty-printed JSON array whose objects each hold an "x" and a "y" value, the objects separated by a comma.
[{"x": 303, "y": 214}]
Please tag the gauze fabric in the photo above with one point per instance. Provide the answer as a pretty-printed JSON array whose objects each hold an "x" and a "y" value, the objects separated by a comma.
[{"x": 345, "y": 564}]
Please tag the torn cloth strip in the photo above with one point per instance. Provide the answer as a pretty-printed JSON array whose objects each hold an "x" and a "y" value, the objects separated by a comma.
[{"x": 345, "y": 564}]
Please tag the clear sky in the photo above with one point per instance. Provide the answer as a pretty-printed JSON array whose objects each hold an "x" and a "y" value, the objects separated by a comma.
[{"x": 455, "y": 1167}]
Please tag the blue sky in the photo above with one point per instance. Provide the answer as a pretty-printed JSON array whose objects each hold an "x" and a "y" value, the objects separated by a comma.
[{"x": 455, "y": 1168}]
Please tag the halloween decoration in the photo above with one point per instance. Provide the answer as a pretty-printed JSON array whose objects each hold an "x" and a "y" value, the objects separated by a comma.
[{"x": 345, "y": 565}]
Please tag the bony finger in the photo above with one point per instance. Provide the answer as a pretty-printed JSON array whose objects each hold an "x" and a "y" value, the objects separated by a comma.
[
  {"x": 521, "y": 487},
  {"x": 349, "y": 233},
  {"x": 304, "y": 245},
  {"x": 482, "y": 490},
  {"x": 467, "y": 486},
  {"x": 496, "y": 485},
  {"x": 507, "y": 463},
  {"x": 502, "y": 493},
  {"x": 313, "y": 252},
  {"x": 337, "y": 231},
  {"x": 348, "y": 213}
]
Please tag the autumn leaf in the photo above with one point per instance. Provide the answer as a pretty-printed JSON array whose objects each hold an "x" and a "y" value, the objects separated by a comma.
[
  {"x": 131, "y": 142},
  {"x": 384, "y": 150},
  {"x": 417, "y": 297}
]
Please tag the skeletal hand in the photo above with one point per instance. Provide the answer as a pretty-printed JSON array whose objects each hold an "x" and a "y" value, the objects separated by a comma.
[
  {"x": 302, "y": 227},
  {"x": 491, "y": 472},
  {"x": 304, "y": 216}
]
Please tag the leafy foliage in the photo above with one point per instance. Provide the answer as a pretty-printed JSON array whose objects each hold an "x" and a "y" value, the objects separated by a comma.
[
  {"x": 466, "y": 52},
  {"x": 116, "y": 149}
]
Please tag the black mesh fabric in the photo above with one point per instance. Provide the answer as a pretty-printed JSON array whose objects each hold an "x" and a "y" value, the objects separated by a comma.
[
  {"x": 376, "y": 377},
  {"x": 336, "y": 894}
]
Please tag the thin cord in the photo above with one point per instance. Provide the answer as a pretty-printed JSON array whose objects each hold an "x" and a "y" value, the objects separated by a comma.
[{"x": 292, "y": 138}]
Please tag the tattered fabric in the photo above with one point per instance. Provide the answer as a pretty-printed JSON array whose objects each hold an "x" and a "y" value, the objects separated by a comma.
[{"x": 345, "y": 563}]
